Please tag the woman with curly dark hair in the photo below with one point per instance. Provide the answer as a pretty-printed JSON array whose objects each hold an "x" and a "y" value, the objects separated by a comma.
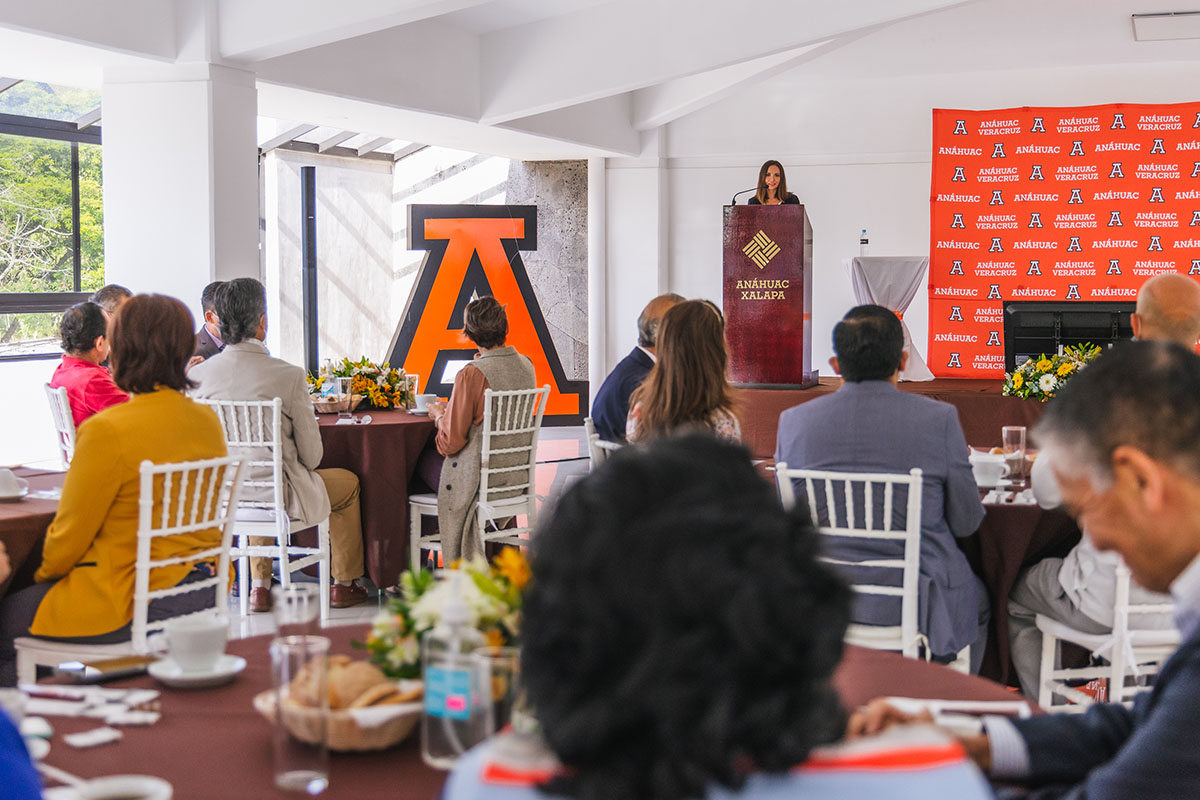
[
  {"x": 90, "y": 388},
  {"x": 686, "y": 388},
  {"x": 679, "y": 640}
]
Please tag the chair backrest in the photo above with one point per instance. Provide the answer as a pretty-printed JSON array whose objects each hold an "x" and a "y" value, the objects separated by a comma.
[
  {"x": 598, "y": 449},
  {"x": 252, "y": 431},
  {"x": 180, "y": 499},
  {"x": 868, "y": 506},
  {"x": 64, "y": 422},
  {"x": 508, "y": 454},
  {"x": 1121, "y": 651}
]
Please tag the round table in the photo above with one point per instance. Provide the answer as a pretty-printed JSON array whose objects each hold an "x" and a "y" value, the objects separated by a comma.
[
  {"x": 211, "y": 743},
  {"x": 384, "y": 456}
]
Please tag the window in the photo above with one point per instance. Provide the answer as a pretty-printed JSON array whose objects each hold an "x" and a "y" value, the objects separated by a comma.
[{"x": 51, "y": 212}]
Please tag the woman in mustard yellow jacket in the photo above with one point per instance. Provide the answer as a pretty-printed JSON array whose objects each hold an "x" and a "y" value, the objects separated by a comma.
[{"x": 84, "y": 591}]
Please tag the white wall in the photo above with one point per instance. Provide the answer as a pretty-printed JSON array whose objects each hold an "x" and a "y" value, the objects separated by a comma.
[
  {"x": 26, "y": 429},
  {"x": 857, "y": 153}
]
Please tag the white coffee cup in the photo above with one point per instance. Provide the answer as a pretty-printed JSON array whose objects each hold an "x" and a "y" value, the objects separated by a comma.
[
  {"x": 423, "y": 401},
  {"x": 10, "y": 484},
  {"x": 988, "y": 468},
  {"x": 195, "y": 643},
  {"x": 123, "y": 787}
]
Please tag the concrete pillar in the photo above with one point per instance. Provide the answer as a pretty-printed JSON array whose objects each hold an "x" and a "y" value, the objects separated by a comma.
[
  {"x": 597, "y": 274},
  {"x": 180, "y": 178}
]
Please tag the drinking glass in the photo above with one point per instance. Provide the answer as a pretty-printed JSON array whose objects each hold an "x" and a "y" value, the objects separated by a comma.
[
  {"x": 301, "y": 713},
  {"x": 296, "y": 609},
  {"x": 1012, "y": 441},
  {"x": 503, "y": 665}
]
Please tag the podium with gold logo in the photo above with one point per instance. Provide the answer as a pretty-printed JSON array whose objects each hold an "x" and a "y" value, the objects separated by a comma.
[{"x": 768, "y": 296}]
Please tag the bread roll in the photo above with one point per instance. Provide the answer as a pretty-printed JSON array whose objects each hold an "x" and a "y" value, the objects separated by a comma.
[{"x": 351, "y": 681}]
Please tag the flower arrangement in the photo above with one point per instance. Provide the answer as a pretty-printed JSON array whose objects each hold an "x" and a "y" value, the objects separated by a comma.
[
  {"x": 381, "y": 386},
  {"x": 493, "y": 597},
  {"x": 1042, "y": 377}
]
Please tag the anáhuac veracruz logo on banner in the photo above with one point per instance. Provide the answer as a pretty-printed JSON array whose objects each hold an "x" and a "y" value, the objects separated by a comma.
[{"x": 1053, "y": 204}]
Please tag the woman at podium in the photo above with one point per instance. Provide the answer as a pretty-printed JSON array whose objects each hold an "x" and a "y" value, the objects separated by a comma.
[{"x": 772, "y": 187}]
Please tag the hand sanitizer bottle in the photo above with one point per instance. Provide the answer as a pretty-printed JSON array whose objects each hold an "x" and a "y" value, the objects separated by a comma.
[
  {"x": 458, "y": 703},
  {"x": 863, "y": 243}
]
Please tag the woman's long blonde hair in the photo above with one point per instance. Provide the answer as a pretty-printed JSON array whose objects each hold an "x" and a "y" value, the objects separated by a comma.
[{"x": 687, "y": 384}]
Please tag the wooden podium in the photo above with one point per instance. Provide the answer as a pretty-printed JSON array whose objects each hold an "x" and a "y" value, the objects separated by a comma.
[{"x": 768, "y": 296}]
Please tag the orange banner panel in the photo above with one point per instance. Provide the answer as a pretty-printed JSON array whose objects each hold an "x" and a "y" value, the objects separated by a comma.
[{"x": 1055, "y": 204}]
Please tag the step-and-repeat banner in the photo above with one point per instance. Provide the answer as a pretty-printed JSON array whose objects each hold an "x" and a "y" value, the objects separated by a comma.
[{"x": 1053, "y": 204}]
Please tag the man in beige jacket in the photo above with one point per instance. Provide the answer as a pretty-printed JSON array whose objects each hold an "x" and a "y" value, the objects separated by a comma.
[{"x": 245, "y": 371}]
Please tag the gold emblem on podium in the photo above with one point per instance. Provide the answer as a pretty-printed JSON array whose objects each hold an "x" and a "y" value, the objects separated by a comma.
[{"x": 761, "y": 249}]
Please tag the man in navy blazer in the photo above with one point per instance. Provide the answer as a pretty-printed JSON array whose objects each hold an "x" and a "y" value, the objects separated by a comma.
[
  {"x": 869, "y": 425},
  {"x": 611, "y": 406},
  {"x": 1125, "y": 436}
]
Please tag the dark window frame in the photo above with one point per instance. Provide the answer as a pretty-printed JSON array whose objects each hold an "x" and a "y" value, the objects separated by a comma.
[{"x": 51, "y": 302}]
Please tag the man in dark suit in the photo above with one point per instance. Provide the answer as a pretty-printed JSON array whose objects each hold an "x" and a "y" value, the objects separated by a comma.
[
  {"x": 1125, "y": 436},
  {"x": 208, "y": 338},
  {"x": 869, "y": 425},
  {"x": 611, "y": 406}
]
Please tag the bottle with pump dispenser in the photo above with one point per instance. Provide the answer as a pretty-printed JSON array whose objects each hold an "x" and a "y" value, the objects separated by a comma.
[{"x": 458, "y": 707}]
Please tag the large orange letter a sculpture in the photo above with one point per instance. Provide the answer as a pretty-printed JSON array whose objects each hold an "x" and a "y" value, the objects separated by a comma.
[{"x": 474, "y": 251}]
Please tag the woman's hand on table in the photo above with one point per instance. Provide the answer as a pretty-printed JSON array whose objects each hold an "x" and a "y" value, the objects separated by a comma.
[{"x": 436, "y": 409}]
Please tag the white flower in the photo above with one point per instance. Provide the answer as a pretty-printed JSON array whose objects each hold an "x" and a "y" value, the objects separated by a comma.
[
  {"x": 405, "y": 651},
  {"x": 381, "y": 381},
  {"x": 427, "y": 611},
  {"x": 1047, "y": 383},
  {"x": 386, "y": 624}
]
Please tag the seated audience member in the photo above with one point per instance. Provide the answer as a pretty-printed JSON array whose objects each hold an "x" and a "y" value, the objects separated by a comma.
[
  {"x": 497, "y": 367},
  {"x": 84, "y": 340},
  {"x": 208, "y": 338},
  {"x": 869, "y": 425},
  {"x": 1079, "y": 590},
  {"x": 1125, "y": 439},
  {"x": 679, "y": 640},
  {"x": 611, "y": 406},
  {"x": 84, "y": 589},
  {"x": 20, "y": 778},
  {"x": 245, "y": 371},
  {"x": 687, "y": 388},
  {"x": 110, "y": 298}
]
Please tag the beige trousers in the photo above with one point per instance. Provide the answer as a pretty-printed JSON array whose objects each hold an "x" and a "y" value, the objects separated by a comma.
[{"x": 345, "y": 529}]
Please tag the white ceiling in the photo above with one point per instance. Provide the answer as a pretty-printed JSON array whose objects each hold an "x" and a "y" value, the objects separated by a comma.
[{"x": 555, "y": 78}]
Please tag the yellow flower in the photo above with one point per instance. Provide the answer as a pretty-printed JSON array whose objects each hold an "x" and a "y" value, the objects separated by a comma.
[
  {"x": 1018, "y": 380},
  {"x": 513, "y": 566},
  {"x": 1042, "y": 365},
  {"x": 1065, "y": 370},
  {"x": 494, "y": 637}
]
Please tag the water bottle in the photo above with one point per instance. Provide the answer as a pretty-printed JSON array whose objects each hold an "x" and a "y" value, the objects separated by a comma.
[
  {"x": 863, "y": 243},
  {"x": 458, "y": 703}
]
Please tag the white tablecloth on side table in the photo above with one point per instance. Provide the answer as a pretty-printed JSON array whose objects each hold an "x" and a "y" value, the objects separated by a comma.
[{"x": 892, "y": 282}]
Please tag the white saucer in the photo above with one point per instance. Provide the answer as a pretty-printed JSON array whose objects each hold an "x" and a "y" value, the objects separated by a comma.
[
  {"x": 171, "y": 674},
  {"x": 1003, "y": 483},
  {"x": 38, "y": 748},
  {"x": 416, "y": 413},
  {"x": 15, "y": 498}
]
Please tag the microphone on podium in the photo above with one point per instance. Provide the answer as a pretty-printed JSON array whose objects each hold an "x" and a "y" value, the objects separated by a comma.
[{"x": 733, "y": 202}]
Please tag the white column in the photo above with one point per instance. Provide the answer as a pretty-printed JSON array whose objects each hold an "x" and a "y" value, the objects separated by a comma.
[
  {"x": 636, "y": 243},
  {"x": 180, "y": 178}
]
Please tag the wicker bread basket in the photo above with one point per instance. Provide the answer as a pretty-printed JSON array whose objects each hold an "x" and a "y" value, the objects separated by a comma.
[
  {"x": 333, "y": 405},
  {"x": 371, "y": 728}
]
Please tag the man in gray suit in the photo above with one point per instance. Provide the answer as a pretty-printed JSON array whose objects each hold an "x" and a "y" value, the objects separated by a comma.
[
  {"x": 869, "y": 425},
  {"x": 245, "y": 371}
]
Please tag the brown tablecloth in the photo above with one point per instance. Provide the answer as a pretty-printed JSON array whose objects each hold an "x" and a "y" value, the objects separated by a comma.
[
  {"x": 212, "y": 744},
  {"x": 1011, "y": 538},
  {"x": 23, "y": 527},
  {"x": 982, "y": 410},
  {"x": 383, "y": 455}
]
